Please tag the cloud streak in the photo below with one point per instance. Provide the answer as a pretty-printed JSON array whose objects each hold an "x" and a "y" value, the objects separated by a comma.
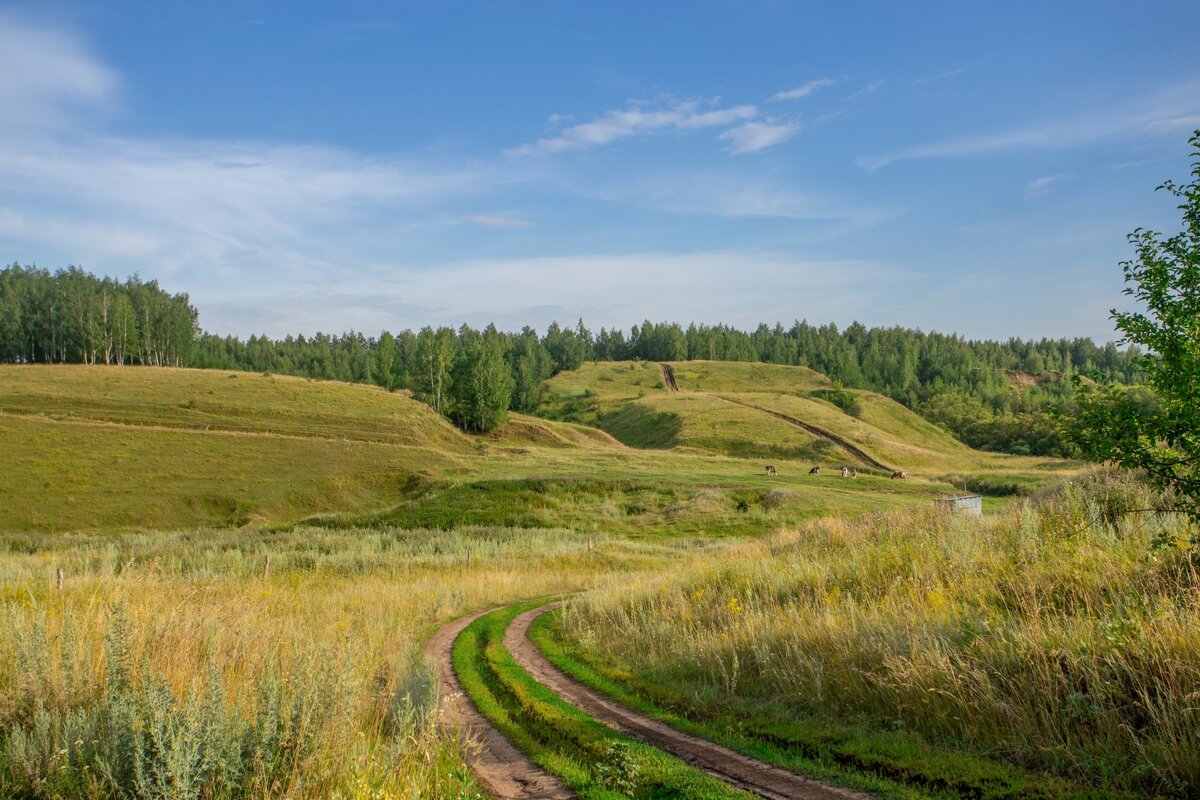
[
  {"x": 1044, "y": 185},
  {"x": 803, "y": 91},
  {"x": 47, "y": 74},
  {"x": 752, "y": 137},
  {"x": 1165, "y": 112},
  {"x": 704, "y": 285},
  {"x": 497, "y": 221},
  {"x": 637, "y": 120},
  {"x": 873, "y": 86}
]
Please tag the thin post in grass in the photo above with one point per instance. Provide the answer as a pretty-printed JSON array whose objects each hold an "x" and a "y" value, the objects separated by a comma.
[
  {"x": 58, "y": 578},
  {"x": 266, "y": 567},
  {"x": 589, "y": 544}
]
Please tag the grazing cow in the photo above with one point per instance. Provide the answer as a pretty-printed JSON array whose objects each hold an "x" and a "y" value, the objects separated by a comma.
[
  {"x": 845, "y": 472},
  {"x": 815, "y": 471},
  {"x": 853, "y": 473},
  {"x": 901, "y": 474},
  {"x": 771, "y": 470}
]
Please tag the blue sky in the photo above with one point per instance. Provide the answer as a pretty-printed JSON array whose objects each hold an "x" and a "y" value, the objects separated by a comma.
[{"x": 296, "y": 167}]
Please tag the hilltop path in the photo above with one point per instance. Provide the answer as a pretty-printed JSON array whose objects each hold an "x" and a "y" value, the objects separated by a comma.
[
  {"x": 740, "y": 771},
  {"x": 669, "y": 377},
  {"x": 852, "y": 449},
  {"x": 505, "y": 772}
]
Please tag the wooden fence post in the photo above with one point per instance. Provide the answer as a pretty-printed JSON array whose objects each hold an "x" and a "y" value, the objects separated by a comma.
[
  {"x": 58, "y": 578},
  {"x": 266, "y": 567}
]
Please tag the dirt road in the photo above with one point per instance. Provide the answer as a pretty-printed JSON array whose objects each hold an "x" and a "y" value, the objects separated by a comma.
[
  {"x": 669, "y": 378},
  {"x": 504, "y": 771},
  {"x": 849, "y": 447},
  {"x": 736, "y": 769}
]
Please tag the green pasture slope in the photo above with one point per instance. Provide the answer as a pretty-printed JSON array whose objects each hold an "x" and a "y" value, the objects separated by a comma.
[
  {"x": 738, "y": 408},
  {"x": 118, "y": 448}
]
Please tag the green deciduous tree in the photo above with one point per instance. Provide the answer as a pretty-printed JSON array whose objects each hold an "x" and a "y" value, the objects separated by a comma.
[
  {"x": 1118, "y": 425},
  {"x": 483, "y": 383},
  {"x": 385, "y": 361},
  {"x": 531, "y": 364},
  {"x": 435, "y": 357}
]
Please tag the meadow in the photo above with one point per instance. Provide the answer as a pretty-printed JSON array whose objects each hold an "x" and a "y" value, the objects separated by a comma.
[
  {"x": 250, "y": 563},
  {"x": 1053, "y": 637},
  {"x": 216, "y": 664},
  {"x": 103, "y": 449}
]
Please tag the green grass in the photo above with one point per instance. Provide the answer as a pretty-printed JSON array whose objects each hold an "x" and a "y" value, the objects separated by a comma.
[
  {"x": 102, "y": 449},
  {"x": 592, "y": 759},
  {"x": 725, "y": 408},
  {"x": 106, "y": 449},
  {"x": 893, "y": 764},
  {"x": 1049, "y": 645},
  {"x": 236, "y": 402}
]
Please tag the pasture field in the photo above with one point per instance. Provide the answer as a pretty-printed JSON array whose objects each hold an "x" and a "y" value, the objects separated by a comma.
[
  {"x": 252, "y": 562},
  {"x": 159, "y": 449},
  {"x": 966, "y": 656},
  {"x": 734, "y": 409}
]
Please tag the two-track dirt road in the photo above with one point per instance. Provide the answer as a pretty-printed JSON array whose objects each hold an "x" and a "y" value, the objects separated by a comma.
[{"x": 508, "y": 773}]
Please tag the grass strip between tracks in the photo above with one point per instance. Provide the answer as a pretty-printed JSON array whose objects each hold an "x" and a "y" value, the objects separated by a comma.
[
  {"x": 895, "y": 766},
  {"x": 592, "y": 759}
]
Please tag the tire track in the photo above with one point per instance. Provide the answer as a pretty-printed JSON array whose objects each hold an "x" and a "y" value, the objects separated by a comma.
[
  {"x": 669, "y": 378},
  {"x": 849, "y": 447},
  {"x": 740, "y": 771},
  {"x": 505, "y": 772}
]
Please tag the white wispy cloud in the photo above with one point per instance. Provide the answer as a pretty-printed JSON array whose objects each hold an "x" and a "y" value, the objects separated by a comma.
[
  {"x": 1044, "y": 184},
  {"x": 1164, "y": 112},
  {"x": 941, "y": 75},
  {"x": 638, "y": 119},
  {"x": 260, "y": 211},
  {"x": 805, "y": 90},
  {"x": 750, "y": 137},
  {"x": 46, "y": 74},
  {"x": 1186, "y": 122},
  {"x": 734, "y": 195},
  {"x": 704, "y": 285},
  {"x": 873, "y": 86},
  {"x": 497, "y": 221}
]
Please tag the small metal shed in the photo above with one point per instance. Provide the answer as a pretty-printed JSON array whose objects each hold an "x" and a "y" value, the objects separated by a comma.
[{"x": 962, "y": 504}]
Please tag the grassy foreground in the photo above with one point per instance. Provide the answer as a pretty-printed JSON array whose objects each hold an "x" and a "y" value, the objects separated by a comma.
[
  {"x": 170, "y": 666},
  {"x": 592, "y": 759},
  {"x": 1050, "y": 638}
]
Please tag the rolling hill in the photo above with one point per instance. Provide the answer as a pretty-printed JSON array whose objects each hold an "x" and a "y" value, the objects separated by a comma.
[
  {"x": 95, "y": 448},
  {"x": 766, "y": 411}
]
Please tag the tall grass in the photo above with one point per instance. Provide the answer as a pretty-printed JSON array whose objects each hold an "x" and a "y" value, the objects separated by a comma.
[
  {"x": 1053, "y": 634},
  {"x": 182, "y": 666}
]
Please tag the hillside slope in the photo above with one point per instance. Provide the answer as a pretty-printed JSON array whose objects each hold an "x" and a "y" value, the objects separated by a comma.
[
  {"x": 90, "y": 448},
  {"x": 96, "y": 448},
  {"x": 763, "y": 411}
]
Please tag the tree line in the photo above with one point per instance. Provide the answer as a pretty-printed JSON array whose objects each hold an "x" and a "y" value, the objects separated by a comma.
[
  {"x": 73, "y": 317},
  {"x": 991, "y": 394}
]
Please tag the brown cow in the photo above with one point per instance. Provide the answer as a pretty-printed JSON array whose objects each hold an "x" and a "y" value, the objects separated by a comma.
[
  {"x": 771, "y": 470},
  {"x": 901, "y": 474},
  {"x": 815, "y": 471},
  {"x": 853, "y": 473}
]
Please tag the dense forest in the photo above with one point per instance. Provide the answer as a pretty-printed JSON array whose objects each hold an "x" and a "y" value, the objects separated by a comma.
[
  {"x": 73, "y": 317},
  {"x": 992, "y": 395}
]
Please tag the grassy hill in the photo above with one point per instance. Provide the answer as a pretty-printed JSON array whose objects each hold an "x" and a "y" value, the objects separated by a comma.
[
  {"x": 767, "y": 411},
  {"x": 100, "y": 448},
  {"x": 96, "y": 449}
]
